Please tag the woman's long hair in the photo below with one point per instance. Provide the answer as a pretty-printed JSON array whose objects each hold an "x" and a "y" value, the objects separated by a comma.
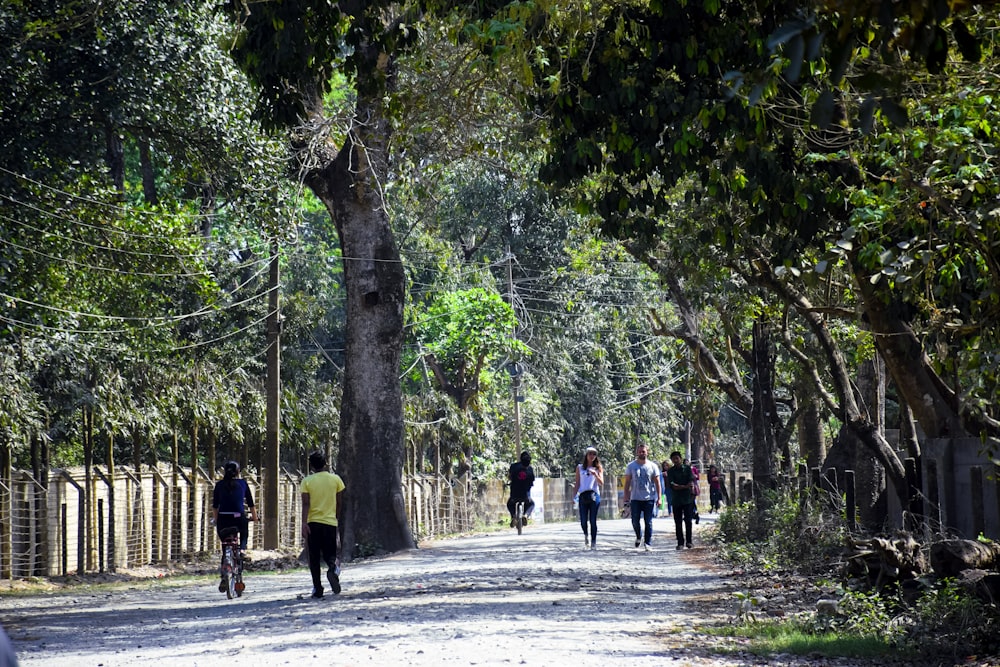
[
  {"x": 597, "y": 462},
  {"x": 232, "y": 469}
]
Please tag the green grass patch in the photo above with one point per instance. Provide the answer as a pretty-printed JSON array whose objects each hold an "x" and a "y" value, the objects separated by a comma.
[{"x": 770, "y": 638}]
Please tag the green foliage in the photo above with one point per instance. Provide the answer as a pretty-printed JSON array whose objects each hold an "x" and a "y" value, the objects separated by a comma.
[
  {"x": 949, "y": 619},
  {"x": 789, "y": 534},
  {"x": 867, "y": 614},
  {"x": 793, "y": 167},
  {"x": 460, "y": 328},
  {"x": 945, "y": 619},
  {"x": 777, "y": 638}
]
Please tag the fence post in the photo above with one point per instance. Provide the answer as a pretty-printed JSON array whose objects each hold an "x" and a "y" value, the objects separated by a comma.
[
  {"x": 850, "y": 501},
  {"x": 949, "y": 515},
  {"x": 914, "y": 493},
  {"x": 81, "y": 535},
  {"x": 64, "y": 539},
  {"x": 109, "y": 481},
  {"x": 100, "y": 535},
  {"x": 976, "y": 497},
  {"x": 933, "y": 495},
  {"x": 163, "y": 515}
]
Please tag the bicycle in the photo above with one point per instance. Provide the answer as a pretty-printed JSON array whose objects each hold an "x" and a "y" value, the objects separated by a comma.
[
  {"x": 231, "y": 567},
  {"x": 519, "y": 518}
]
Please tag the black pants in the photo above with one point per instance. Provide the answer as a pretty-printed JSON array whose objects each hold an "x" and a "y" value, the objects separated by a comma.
[
  {"x": 241, "y": 522},
  {"x": 588, "y": 515},
  {"x": 683, "y": 515},
  {"x": 529, "y": 505},
  {"x": 322, "y": 545}
]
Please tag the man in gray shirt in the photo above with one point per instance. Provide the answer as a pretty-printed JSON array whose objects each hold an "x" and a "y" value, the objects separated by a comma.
[{"x": 642, "y": 491}]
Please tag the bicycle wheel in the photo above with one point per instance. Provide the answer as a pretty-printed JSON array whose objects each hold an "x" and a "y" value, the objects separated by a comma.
[
  {"x": 228, "y": 573},
  {"x": 238, "y": 577},
  {"x": 520, "y": 518}
]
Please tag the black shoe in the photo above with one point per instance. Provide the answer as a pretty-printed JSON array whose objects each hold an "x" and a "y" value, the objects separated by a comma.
[
  {"x": 637, "y": 540},
  {"x": 334, "y": 581},
  {"x": 697, "y": 519},
  {"x": 689, "y": 545},
  {"x": 222, "y": 586},
  {"x": 316, "y": 594},
  {"x": 680, "y": 546}
]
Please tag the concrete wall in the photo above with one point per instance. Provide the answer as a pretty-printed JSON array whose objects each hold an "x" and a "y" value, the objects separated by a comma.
[{"x": 960, "y": 486}]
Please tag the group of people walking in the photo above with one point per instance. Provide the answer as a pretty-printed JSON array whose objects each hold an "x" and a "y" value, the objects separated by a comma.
[{"x": 673, "y": 488}]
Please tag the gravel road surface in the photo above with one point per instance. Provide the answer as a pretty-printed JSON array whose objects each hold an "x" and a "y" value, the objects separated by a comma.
[{"x": 494, "y": 599}]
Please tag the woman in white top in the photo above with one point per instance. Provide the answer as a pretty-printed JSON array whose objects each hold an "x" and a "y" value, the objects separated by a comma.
[{"x": 587, "y": 489}]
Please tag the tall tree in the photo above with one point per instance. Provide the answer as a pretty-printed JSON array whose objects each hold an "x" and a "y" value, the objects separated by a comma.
[{"x": 654, "y": 94}]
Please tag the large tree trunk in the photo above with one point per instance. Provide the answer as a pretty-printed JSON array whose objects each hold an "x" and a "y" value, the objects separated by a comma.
[
  {"x": 845, "y": 404},
  {"x": 935, "y": 405},
  {"x": 703, "y": 423},
  {"x": 812, "y": 440},
  {"x": 869, "y": 475},
  {"x": 371, "y": 454},
  {"x": 764, "y": 442}
]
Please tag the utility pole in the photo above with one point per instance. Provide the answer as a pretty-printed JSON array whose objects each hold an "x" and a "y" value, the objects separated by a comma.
[
  {"x": 515, "y": 367},
  {"x": 272, "y": 460}
]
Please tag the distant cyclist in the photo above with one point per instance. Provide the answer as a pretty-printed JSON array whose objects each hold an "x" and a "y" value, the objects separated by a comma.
[
  {"x": 230, "y": 501},
  {"x": 521, "y": 478}
]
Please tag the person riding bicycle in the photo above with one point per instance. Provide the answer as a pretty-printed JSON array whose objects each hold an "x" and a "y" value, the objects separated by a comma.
[
  {"x": 230, "y": 500},
  {"x": 521, "y": 478}
]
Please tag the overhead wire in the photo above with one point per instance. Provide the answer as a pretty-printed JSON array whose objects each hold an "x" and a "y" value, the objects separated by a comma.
[{"x": 527, "y": 289}]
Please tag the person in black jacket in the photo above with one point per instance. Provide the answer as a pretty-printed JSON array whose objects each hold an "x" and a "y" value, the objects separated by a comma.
[
  {"x": 682, "y": 480},
  {"x": 521, "y": 478}
]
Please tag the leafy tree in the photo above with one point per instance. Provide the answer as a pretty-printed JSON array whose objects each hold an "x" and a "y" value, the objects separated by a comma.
[
  {"x": 654, "y": 93},
  {"x": 462, "y": 334}
]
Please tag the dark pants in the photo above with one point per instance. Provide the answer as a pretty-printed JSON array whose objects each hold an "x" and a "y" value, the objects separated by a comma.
[
  {"x": 322, "y": 548},
  {"x": 226, "y": 520},
  {"x": 715, "y": 499},
  {"x": 683, "y": 515},
  {"x": 588, "y": 514},
  {"x": 644, "y": 507},
  {"x": 529, "y": 505}
]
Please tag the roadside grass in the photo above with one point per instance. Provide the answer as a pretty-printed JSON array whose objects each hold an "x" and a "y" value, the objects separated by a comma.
[
  {"x": 783, "y": 637},
  {"x": 930, "y": 618}
]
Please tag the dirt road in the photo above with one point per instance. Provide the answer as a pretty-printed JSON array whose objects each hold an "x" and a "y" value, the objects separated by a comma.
[{"x": 497, "y": 599}]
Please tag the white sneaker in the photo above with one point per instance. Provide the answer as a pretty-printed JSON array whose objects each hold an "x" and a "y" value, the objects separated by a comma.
[
  {"x": 586, "y": 541},
  {"x": 646, "y": 547},
  {"x": 593, "y": 546}
]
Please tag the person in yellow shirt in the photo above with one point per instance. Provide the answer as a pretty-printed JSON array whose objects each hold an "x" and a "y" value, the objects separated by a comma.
[{"x": 321, "y": 511}]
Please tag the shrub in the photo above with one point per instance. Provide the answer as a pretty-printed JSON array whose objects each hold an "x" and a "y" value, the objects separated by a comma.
[
  {"x": 787, "y": 534},
  {"x": 947, "y": 618}
]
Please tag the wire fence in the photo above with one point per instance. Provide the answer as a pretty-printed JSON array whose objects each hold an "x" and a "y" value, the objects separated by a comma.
[
  {"x": 69, "y": 523},
  {"x": 72, "y": 523}
]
